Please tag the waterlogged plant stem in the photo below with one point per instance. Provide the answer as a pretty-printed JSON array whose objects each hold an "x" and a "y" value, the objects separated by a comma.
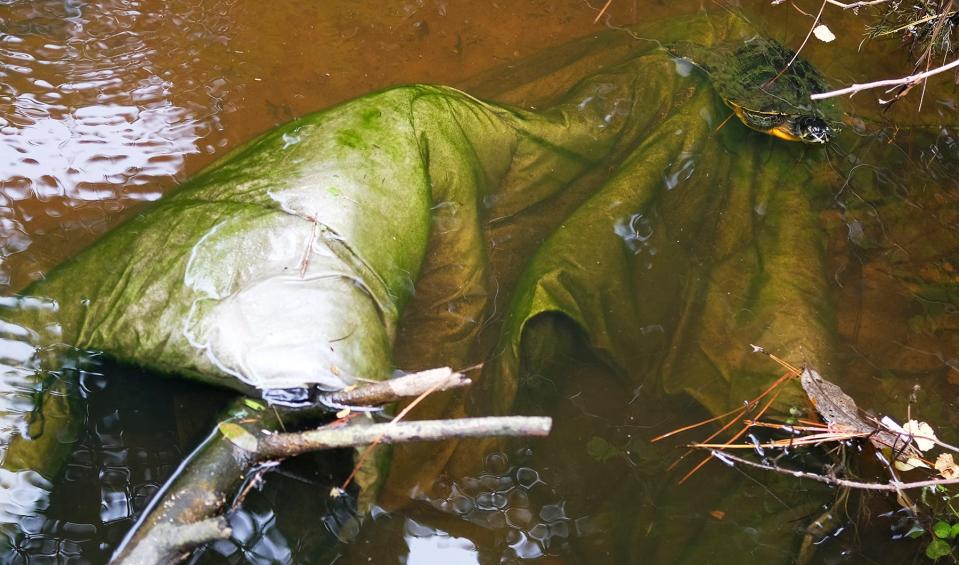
[{"x": 199, "y": 490}]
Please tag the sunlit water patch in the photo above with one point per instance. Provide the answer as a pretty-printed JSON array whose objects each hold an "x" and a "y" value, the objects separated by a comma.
[{"x": 97, "y": 114}]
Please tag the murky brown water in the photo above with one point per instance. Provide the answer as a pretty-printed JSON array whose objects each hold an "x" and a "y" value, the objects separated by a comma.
[{"x": 106, "y": 105}]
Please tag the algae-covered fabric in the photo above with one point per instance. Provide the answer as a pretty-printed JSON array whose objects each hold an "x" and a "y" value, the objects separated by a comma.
[
  {"x": 601, "y": 201},
  {"x": 288, "y": 262}
]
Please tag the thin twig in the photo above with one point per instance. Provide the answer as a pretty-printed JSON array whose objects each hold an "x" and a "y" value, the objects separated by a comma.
[
  {"x": 890, "y": 486},
  {"x": 804, "y": 41},
  {"x": 602, "y": 11},
  {"x": 812, "y": 439},
  {"x": 801, "y": 11},
  {"x": 854, "y": 5},
  {"x": 912, "y": 24},
  {"x": 769, "y": 403},
  {"x": 934, "y": 440},
  {"x": 407, "y": 386},
  {"x": 739, "y": 412},
  {"x": 704, "y": 422},
  {"x": 376, "y": 441}
]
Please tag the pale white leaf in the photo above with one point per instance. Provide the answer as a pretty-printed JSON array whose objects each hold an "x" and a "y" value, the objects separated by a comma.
[
  {"x": 923, "y": 434},
  {"x": 823, "y": 33},
  {"x": 910, "y": 464}
]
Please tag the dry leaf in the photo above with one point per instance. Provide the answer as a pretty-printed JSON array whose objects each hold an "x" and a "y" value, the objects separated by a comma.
[
  {"x": 718, "y": 514},
  {"x": 910, "y": 464},
  {"x": 947, "y": 466},
  {"x": 823, "y": 33},
  {"x": 839, "y": 410},
  {"x": 923, "y": 434}
]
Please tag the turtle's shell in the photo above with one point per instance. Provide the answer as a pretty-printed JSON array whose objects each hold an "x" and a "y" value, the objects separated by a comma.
[{"x": 743, "y": 75}]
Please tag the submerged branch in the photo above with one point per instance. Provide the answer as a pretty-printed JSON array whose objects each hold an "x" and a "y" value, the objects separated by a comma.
[
  {"x": 290, "y": 444},
  {"x": 173, "y": 541},
  {"x": 199, "y": 490}
]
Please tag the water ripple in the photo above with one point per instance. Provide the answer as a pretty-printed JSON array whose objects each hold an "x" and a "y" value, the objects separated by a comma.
[{"x": 101, "y": 103}]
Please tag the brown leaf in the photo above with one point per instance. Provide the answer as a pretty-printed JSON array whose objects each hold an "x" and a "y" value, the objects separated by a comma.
[{"x": 946, "y": 466}]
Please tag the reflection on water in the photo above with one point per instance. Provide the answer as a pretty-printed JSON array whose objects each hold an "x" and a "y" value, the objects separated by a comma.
[
  {"x": 105, "y": 104},
  {"x": 507, "y": 498},
  {"x": 96, "y": 116},
  {"x": 31, "y": 364},
  {"x": 21, "y": 365}
]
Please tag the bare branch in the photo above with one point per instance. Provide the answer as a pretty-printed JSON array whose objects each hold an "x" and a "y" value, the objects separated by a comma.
[
  {"x": 888, "y": 82},
  {"x": 408, "y": 386},
  {"x": 855, "y": 5},
  {"x": 287, "y": 445}
]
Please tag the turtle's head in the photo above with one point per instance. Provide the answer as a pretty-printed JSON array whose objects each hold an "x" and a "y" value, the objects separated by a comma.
[{"x": 813, "y": 129}]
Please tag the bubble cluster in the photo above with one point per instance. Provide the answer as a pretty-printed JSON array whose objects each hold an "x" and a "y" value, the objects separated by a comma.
[{"x": 508, "y": 499}]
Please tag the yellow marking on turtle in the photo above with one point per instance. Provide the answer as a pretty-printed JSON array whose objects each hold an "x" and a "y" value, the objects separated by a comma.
[{"x": 782, "y": 131}]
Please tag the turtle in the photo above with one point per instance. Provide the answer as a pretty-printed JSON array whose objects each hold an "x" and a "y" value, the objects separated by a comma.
[{"x": 749, "y": 77}]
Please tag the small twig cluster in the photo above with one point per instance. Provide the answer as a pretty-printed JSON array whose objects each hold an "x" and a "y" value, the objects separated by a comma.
[{"x": 188, "y": 511}]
